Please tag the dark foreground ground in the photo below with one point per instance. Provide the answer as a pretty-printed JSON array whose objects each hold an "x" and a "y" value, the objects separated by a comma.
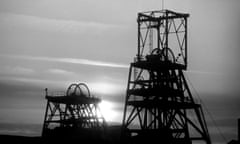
[
  {"x": 111, "y": 136},
  {"x": 11, "y": 139}
]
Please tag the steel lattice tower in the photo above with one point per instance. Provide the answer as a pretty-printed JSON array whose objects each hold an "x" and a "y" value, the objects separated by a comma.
[
  {"x": 74, "y": 114},
  {"x": 159, "y": 106}
]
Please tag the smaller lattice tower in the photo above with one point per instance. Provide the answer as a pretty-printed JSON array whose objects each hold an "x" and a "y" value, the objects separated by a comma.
[
  {"x": 159, "y": 106},
  {"x": 74, "y": 114}
]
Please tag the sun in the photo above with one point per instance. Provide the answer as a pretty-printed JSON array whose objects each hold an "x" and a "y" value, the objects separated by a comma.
[{"x": 107, "y": 110}]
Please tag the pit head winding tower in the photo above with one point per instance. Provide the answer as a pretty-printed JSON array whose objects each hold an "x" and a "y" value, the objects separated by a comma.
[
  {"x": 159, "y": 106},
  {"x": 73, "y": 115}
]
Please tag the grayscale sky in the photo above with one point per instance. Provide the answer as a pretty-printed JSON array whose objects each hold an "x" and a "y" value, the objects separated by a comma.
[{"x": 53, "y": 43}]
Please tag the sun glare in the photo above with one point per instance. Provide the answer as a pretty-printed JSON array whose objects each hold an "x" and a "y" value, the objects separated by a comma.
[{"x": 107, "y": 110}]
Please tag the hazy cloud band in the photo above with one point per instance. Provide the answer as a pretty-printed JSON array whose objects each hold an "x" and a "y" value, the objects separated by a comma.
[{"x": 69, "y": 60}]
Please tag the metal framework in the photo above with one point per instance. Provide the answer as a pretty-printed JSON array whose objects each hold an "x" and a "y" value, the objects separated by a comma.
[
  {"x": 159, "y": 105},
  {"x": 73, "y": 114},
  {"x": 161, "y": 30}
]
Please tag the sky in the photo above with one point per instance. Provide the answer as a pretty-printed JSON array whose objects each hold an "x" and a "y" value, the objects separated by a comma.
[{"x": 53, "y": 43}]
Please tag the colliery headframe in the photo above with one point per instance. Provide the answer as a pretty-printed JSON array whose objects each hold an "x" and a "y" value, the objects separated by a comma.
[
  {"x": 159, "y": 106},
  {"x": 74, "y": 114}
]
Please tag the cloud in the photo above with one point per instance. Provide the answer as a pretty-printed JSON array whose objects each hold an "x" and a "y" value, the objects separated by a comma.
[
  {"x": 18, "y": 132},
  {"x": 20, "y": 129},
  {"x": 51, "y": 24},
  {"x": 16, "y": 70},
  {"x": 69, "y": 60},
  {"x": 92, "y": 62},
  {"x": 12, "y": 84},
  {"x": 60, "y": 71}
]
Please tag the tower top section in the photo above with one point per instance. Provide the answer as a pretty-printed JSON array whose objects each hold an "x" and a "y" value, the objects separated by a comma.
[
  {"x": 155, "y": 16},
  {"x": 163, "y": 34}
]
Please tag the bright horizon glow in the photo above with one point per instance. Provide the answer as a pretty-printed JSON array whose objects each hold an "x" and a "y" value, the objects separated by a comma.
[
  {"x": 107, "y": 111},
  {"x": 103, "y": 88}
]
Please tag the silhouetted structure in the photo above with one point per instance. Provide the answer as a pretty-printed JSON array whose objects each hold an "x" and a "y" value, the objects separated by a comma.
[
  {"x": 238, "y": 140},
  {"x": 238, "y": 130},
  {"x": 159, "y": 106},
  {"x": 74, "y": 114}
]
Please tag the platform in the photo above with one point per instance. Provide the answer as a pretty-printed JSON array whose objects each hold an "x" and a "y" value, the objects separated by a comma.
[
  {"x": 73, "y": 99},
  {"x": 157, "y": 65}
]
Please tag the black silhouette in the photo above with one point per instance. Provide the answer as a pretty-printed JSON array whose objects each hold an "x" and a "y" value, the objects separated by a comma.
[
  {"x": 73, "y": 116},
  {"x": 158, "y": 101}
]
